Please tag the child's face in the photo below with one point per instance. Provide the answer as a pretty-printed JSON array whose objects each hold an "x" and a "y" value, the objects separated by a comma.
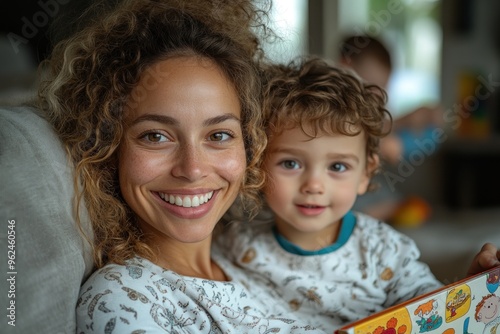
[{"x": 314, "y": 183}]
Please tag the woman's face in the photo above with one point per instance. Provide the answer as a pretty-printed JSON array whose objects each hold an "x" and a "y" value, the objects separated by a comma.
[{"x": 182, "y": 158}]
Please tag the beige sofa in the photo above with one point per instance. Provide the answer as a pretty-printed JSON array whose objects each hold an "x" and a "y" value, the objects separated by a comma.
[{"x": 48, "y": 256}]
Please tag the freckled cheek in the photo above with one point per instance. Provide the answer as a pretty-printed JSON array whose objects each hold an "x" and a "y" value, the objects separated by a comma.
[
  {"x": 136, "y": 169},
  {"x": 231, "y": 166}
]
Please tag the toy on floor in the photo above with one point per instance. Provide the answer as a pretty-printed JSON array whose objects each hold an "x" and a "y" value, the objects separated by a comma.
[{"x": 412, "y": 212}]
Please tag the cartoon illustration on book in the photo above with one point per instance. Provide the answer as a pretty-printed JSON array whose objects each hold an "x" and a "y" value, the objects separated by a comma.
[
  {"x": 487, "y": 312},
  {"x": 458, "y": 302},
  {"x": 429, "y": 317},
  {"x": 397, "y": 322},
  {"x": 492, "y": 281},
  {"x": 469, "y": 306}
]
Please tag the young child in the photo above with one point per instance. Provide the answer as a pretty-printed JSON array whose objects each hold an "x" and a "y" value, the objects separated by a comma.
[{"x": 330, "y": 264}]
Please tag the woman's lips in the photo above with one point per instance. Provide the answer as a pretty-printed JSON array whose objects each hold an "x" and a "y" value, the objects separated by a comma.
[{"x": 187, "y": 206}]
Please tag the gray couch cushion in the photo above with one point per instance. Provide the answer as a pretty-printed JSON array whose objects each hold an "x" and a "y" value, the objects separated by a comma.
[{"x": 51, "y": 258}]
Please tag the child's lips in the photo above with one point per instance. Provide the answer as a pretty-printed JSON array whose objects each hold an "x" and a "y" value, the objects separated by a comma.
[
  {"x": 310, "y": 209},
  {"x": 310, "y": 205}
]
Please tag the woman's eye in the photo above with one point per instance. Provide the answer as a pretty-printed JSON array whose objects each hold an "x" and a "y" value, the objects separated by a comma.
[
  {"x": 290, "y": 164},
  {"x": 338, "y": 167},
  {"x": 154, "y": 137},
  {"x": 220, "y": 136}
]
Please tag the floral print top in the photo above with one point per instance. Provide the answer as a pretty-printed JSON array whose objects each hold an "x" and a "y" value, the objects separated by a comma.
[{"x": 141, "y": 297}]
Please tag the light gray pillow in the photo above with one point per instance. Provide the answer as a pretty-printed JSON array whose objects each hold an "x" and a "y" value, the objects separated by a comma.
[{"x": 51, "y": 258}]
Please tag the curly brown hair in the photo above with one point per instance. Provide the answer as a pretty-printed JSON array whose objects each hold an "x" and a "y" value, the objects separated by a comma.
[
  {"x": 90, "y": 78},
  {"x": 321, "y": 98}
]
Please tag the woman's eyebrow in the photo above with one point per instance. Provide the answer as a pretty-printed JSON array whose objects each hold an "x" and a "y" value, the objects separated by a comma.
[
  {"x": 155, "y": 118},
  {"x": 220, "y": 119},
  {"x": 164, "y": 119}
]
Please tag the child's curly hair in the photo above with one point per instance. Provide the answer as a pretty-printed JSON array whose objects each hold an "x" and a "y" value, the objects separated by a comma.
[{"x": 321, "y": 98}]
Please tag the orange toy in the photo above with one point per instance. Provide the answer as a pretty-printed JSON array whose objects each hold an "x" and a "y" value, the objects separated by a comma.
[{"x": 414, "y": 211}]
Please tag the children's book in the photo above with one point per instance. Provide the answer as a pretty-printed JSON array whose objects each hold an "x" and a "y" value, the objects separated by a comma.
[{"x": 469, "y": 306}]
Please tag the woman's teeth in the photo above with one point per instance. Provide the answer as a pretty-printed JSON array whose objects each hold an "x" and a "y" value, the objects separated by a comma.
[{"x": 187, "y": 201}]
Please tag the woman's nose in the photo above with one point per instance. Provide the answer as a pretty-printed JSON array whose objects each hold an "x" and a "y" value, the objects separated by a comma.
[{"x": 190, "y": 163}]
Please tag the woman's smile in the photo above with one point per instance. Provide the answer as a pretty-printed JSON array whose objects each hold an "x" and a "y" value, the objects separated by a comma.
[
  {"x": 187, "y": 207},
  {"x": 186, "y": 201}
]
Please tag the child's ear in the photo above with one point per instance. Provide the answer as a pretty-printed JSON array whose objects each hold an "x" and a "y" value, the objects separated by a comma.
[{"x": 372, "y": 163}]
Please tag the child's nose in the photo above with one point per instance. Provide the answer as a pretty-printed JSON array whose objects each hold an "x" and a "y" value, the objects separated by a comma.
[{"x": 313, "y": 184}]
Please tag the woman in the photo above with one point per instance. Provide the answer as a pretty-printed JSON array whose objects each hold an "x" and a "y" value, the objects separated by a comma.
[{"x": 160, "y": 114}]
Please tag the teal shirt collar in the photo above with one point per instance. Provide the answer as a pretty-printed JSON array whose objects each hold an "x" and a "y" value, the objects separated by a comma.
[{"x": 347, "y": 226}]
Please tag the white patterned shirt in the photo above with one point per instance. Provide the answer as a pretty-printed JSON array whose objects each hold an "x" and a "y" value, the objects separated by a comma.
[
  {"x": 141, "y": 297},
  {"x": 369, "y": 268}
]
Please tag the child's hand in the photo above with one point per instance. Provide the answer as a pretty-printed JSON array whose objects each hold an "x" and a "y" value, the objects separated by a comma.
[{"x": 488, "y": 257}]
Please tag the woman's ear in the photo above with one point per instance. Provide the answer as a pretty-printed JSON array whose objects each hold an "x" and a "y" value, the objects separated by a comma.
[{"x": 372, "y": 164}]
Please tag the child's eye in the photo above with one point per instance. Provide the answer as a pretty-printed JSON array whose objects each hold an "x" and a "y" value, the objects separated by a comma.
[
  {"x": 290, "y": 164},
  {"x": 338, "y": 167},
  {"x": 220, "y": 136},
  {"x": 154, "y": 137}
]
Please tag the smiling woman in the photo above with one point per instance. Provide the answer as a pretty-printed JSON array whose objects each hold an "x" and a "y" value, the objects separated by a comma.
[
  {"x": 158, "y": 105},
  {"x": 182, "y": 158}
]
